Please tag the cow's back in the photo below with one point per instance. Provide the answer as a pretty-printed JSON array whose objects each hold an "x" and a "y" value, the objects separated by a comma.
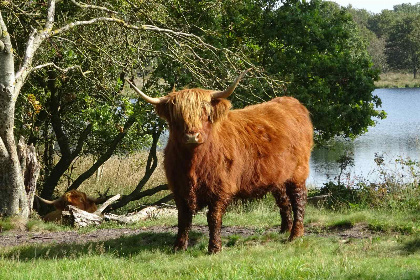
[{"x": 265, "y": 144}]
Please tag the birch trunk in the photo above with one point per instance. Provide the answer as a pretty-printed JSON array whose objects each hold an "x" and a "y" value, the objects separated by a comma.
[{"x": 13, "y": 199}]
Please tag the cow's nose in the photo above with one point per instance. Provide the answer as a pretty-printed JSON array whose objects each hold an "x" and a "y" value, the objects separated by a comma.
[{"x": 192, "y": 138}]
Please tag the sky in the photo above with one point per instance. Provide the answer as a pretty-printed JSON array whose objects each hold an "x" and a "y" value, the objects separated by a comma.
[{"x": 374, "y": 6}]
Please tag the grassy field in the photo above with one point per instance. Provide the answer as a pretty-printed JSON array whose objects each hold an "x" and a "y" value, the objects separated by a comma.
[
  {"x": 344, "y": 244},
  {"x": 397, "y": 80},
  {"x": 363, "y": 231}
]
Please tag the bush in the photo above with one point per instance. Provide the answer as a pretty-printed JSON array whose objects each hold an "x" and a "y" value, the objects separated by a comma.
[
  {"x": 367, "y": 196},
  {"x": 397, "y": 190}
]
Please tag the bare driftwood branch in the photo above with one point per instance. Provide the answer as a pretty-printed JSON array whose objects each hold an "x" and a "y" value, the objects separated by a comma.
[{"x": 106, "y": 204}]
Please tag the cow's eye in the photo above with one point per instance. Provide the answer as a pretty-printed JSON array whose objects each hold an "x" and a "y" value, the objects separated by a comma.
[{"x": 209, "y": 118}]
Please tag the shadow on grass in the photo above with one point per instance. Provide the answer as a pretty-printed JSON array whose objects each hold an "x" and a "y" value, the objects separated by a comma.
[
  {"x": 122, "y": 247},
  {"x": 412, "y": 246}
]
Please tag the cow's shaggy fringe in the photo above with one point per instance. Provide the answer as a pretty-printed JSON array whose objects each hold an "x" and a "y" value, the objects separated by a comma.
[{"x": 189, "y": 106}]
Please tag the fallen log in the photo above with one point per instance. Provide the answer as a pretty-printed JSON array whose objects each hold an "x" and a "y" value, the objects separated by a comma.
[
  {"x": 148, "y": 213},
  {"x": 76, "y": 217}
]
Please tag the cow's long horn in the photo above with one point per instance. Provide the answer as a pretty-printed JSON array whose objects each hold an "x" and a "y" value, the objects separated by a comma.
[
  {"x": 46, "y": 201},
  {"x": 151, "y": 100},
  {"x": 227, "y": 92}
]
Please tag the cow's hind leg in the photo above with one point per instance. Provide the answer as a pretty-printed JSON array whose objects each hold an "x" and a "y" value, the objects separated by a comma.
[
  {"x": 184, "y": 225},
  {"x": 214, "y": 219},
  {"x": 297, "y": 194},
  {"x": 283, "y": 202}
]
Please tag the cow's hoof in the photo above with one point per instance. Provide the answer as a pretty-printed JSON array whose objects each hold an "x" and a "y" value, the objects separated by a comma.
[
  {"x": 295, "y": 236},
  {"x": 180, "y": 247},
  {"x": 214, "y": 250},
  {"x": 285, "y": 228}
]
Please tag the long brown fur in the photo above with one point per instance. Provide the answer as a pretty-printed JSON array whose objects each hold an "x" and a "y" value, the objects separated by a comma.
[{"x": 242, "y": 154}]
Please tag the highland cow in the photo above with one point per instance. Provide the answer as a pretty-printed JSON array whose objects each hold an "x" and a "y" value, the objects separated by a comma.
[
  {"x": 215, "y": 154},
  {"x": 75, "y": 198}
]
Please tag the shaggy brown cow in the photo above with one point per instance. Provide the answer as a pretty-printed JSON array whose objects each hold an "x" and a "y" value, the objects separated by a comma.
[
  {"x": 75, "y": 198},
  {"x": 215, "y": 154}
]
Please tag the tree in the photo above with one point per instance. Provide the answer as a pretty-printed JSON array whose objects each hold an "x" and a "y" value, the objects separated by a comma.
[
  {"x": 48, "y": 27},
  {"x": 12, "y": 191},
  {"x": 375, "y": 44},
  {"x": 403, "y": 44},
  {"x": 316, "y": 47},
  {"x": 73, "y": 58}
]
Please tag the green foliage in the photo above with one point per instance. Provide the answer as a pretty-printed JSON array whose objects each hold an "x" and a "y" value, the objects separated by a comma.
[
  {"x": 318, "y": 49},
  {"x": 403, "y": 44},
  {"x": 395, "y": 43}
]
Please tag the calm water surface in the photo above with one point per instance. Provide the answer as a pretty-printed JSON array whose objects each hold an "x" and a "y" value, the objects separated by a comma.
[{"x": 396, "y": 136}]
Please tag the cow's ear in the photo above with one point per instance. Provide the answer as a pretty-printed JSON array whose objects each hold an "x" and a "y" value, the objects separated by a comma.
[
  {"x": 163, "y": 111},
  {"x": 220, "y": 108}
]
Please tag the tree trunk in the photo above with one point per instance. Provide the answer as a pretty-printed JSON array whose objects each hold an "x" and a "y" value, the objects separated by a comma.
[{"x": 13, "y": 199}]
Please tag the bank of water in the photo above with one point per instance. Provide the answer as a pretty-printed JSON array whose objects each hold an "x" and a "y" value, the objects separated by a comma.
[{"x": 396, "y": 137}]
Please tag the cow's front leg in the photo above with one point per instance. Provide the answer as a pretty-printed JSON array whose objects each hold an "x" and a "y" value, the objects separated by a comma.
[
  {"x": 214, "y": 220},
  {"x": 184, "y": 225}
]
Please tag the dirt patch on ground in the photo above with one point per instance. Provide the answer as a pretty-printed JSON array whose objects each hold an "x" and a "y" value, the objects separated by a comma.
[{"x": 15, "y": 238}]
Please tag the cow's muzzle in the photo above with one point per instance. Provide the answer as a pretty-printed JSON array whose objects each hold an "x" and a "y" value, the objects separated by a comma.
[{"x": 193, "y": 138}]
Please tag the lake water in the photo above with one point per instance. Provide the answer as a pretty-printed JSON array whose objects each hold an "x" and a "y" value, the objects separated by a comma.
[{"x": 397, "y": 136}]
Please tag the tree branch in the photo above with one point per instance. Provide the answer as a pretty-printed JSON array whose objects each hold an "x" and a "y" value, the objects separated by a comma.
[
  {"x": 64, "y": 70},
  {"x": 86, "y": 6},
  {"x": 129, "y": 26},
  {"x": 150, "y": 168},
  {"x": 37, "y": 37},
  {"x": 83, "y": 136},
  {"x": 34, "y": 41},
  {"x": 50, "y": 16},
  {"x": 29, "y": 53},
  {"x": 104, "y": 157},
  {"x": 92, "y": 21}
]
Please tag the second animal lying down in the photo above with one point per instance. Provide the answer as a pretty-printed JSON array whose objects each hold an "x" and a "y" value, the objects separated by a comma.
[
  {"x": 215, "y": 154},
  {"x": 75, "y": 198}
]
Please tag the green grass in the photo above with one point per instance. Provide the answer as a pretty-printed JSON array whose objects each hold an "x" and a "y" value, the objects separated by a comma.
[
  {"x": 393, "y": 252},
  {"x": 148, "y": 256},
  {"x": 397, "y": 80}
]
